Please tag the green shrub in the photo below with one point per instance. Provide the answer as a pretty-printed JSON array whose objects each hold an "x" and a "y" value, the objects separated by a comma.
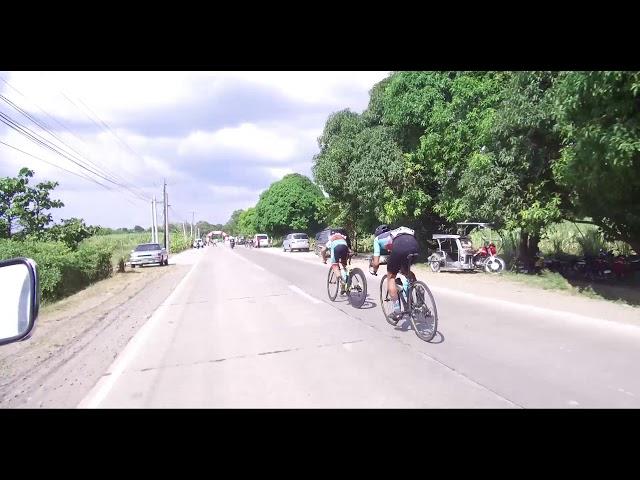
[
  {"x": 61, "y": 270},
  {"x": 179, "y": 242},
  {"x": 365, "y": 244}
]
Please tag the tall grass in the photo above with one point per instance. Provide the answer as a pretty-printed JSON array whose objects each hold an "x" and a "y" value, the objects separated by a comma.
[
  {"x": 120, "y": 244},
  {"x": 591, "y": 242}
]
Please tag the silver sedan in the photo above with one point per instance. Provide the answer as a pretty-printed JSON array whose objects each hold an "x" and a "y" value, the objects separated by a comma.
[{"x": 146, "y": 253}]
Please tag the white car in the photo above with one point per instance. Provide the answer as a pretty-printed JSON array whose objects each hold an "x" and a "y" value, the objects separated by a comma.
[
  {"x": 296, "y": 241},
  {"x": 261, "y": 240},
  {"x": 147, "y": 253}
]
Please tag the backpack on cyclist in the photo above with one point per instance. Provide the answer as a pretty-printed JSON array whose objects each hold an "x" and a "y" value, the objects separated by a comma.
[{"x": 402, "y": 231}]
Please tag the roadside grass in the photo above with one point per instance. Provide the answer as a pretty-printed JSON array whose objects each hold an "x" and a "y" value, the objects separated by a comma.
[
  {"x": 546, "y": 280},
  {"x": 120, "y": 244}
]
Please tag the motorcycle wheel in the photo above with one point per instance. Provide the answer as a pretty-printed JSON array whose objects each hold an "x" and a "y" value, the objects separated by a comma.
[
  {"x": 494, "y": 265},
  {"x": 435, "y": 266}
]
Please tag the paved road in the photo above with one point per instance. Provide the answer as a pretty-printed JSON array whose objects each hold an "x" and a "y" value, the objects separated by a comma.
[{"x": 254, "y": 328}]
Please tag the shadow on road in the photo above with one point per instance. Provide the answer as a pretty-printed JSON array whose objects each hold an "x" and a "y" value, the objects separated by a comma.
[
  {"x": 406, "y": 326},
  {"x": 368, "y": 304}
]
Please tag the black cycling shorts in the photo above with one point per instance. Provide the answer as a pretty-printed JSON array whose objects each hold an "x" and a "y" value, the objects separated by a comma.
[
  {"x": 403, "y": 245},
  {"x": 339, "y": 253}
]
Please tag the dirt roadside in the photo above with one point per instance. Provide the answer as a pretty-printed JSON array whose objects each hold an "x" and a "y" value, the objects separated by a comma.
[{"x": 77, "y": 339}]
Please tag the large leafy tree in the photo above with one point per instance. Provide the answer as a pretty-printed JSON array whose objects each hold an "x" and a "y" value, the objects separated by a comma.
[
  {"x": 231, "y": 226},
  {"x": 598, "y": 114},
  {"x": 438, "y": 120},
  {"x": 360, "y": 166},
  {"x": 247, "y": 222},
  {"x": 25, "y": 208},
  {"x": 510, "y": 181},
  {"x": 288, "y": 204}
]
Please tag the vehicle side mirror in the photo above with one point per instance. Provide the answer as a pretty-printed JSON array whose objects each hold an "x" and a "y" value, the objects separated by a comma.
[{"x": 19, "y": 299}]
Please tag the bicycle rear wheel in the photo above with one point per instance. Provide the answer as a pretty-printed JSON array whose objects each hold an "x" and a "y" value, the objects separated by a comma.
[
  {"x": 386, "y": 302},
  {"x": 423, "y": 311},
  {"x": 357, "y": 288},
  {"x": 333, "y": 285}
]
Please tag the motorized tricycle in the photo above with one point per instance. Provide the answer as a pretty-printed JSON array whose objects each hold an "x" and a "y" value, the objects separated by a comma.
[{"x": 456, "y": 253}]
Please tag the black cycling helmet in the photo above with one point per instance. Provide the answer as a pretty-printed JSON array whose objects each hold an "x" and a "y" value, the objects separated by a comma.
[
  {"x": 340, "y": 230},
  {"x": 381, "y": 229}
]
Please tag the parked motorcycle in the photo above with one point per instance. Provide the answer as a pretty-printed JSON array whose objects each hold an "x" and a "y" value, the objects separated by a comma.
[{"x": 486, "y": 259}]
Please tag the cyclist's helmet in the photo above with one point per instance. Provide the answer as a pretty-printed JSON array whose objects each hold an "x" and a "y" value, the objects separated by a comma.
[
  {"x": 340, "y": 230},
  {"x": 381, "y": 229}
]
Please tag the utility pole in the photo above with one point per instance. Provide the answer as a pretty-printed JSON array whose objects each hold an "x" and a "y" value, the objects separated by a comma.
[
  {"x": 193, "y": 218},
  {"x": 154, "y": 221},
  {"x": 184, "y": 229},
  {"x": 166, "y": 215}
]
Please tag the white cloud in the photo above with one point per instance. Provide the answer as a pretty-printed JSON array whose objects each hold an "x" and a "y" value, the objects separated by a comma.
[
  {"x": 315, "y": 87},
  {"x": 278, "y": 173},
  {"x": 109, "y": 94},
  {"x": 248, "y": 138},
  {"x": 232, "y": 192},
  {"x": 282, "y": 144}
]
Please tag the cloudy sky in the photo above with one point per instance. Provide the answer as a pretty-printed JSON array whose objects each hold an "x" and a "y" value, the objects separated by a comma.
[{"x": 219, "y": 138}]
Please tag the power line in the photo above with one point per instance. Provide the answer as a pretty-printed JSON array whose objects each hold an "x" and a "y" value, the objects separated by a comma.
[
  {"x": 86, "y": 177},
  {"x": 46, "y": 128},
  {"x": 103, "y": 125},
  {"x": 39, "y": 140}
]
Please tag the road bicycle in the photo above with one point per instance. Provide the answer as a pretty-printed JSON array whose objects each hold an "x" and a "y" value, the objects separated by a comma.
[{"x": 416, "y": 302}]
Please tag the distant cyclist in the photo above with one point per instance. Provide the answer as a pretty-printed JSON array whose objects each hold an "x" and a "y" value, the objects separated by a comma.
[
  {"x": 339, "y": 247},
  {"x": 398, "y": 244}
]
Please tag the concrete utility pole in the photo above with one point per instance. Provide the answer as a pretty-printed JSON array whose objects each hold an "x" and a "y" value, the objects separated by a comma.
[
  {"x": 193, "y": 219},
  {"x": 154, "y": 221}
]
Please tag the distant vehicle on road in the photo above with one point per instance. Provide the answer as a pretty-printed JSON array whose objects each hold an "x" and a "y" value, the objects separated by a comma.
[
  {"x": 296, "y": 241},
  {"x": 322, "y": 238},
  {"x": 261, "y": 240},
  {"x": 198, "y": 243},
  {"x": 147, "y": 253}
]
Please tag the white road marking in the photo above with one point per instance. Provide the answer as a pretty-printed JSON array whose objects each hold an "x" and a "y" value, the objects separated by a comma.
[
  {"x": 99, "y": 392},
  {"x": 625, "y": 392},
  {"x": 304, "y": 294}
]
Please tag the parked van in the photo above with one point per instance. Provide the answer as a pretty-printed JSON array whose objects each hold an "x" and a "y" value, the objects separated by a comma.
[{"x": 261, "y": 240}]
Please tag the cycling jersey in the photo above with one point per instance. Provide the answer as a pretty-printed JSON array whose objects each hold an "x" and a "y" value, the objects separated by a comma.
[
  {"x": 383, "y": 244},
  {"x": 338, "y": 246}
]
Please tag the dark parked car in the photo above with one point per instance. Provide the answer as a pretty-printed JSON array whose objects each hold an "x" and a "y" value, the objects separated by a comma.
[{"x": 321, "y": 239}]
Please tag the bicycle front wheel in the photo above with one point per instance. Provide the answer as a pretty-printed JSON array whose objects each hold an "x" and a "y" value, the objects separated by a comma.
[
  {"x": 423, "y": 311},
  {"x": 386, "y": 301},
  {"x": 333, "y": 285},
  {"x": 357, "y": 288}
]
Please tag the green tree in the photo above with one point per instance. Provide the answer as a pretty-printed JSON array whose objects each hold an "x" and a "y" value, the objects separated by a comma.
[
  {"x": 288, "y": 204},
  {"x": 71, "y": 232},
  {"x": 598, "y": 114},
  {"x": 510, "y": 180},
  {"x": 138, "y": 229},
  {"x": 360, "y": 166},
  {"x": 25, "y": 207},
  {"x": 247, "y": 222},
  {"x": 231, "y": 227}
]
